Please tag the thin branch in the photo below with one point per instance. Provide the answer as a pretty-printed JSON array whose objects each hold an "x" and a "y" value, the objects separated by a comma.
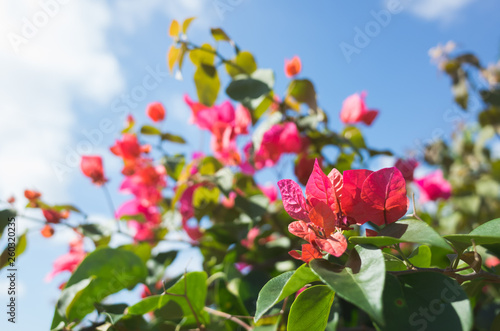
[
  {"x": 415, "y": 208},
  {"x": 229, "y": 317}
]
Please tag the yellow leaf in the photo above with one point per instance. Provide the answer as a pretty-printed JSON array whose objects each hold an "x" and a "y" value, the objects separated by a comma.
[
  {"x": 174, "y": 29},
  {"x": 173, "y": 55},
  {"x": 186, "y": 24}
]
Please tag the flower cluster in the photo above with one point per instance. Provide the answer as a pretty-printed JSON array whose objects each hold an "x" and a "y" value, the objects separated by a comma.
[
  {"x": 225, "y": 123},
  {"x": 335, "y": 202}
]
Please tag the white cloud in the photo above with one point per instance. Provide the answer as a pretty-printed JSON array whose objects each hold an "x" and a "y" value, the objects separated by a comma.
[
  {"x": 444, "y": 10},
  {"x": 52, "y": 53},
  {"x": 132, "y": 12}
]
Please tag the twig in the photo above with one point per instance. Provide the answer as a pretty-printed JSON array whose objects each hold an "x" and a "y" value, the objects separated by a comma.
[
  {"x": 415, "y": 208},
  {"x": 229, "y": 317}
]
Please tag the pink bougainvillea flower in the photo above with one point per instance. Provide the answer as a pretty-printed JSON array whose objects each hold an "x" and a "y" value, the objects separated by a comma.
[
  {"x": 407, "y": 168},
  {"x": 242, "y": 120},
  {"x": 147, "y": 219},
  {"x": 229, "y": 201},
  {"x": 433, "y": 187},
  {"x": 11, "y": 200},
  {"x": 492, "y": 261},
  {"x": 293, "y": 66},
  {"x": 146, "y": 183},
  {"x": 92, "y": 167},
  {"x": 279, "y": 139},
  {"x": 354, "y": 110},
  {"x": 249, "y": 241},
  {"x": 68, "y": 261},
  {"x": 269, "y": 191},
  {"x": 335, "y": 202},
  {"x": 156, "y": 111}
]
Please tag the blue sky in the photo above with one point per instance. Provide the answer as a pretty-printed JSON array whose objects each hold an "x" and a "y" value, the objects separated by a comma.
[{"x": 64, "y": 77}]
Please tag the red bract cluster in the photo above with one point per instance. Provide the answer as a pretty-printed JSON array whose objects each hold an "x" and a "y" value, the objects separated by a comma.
[
  {"x": 293, "y": 66},
  {"x": 145, "y": 182},
  {"x": 278, "y": 140},
  {"x": 225, "y": 123},
  {"x": 130, "y": 151},
  {"x": 156, "y": 111},
  {"x": 335, "y": 202},
  {"x": 92, "y": 167}
]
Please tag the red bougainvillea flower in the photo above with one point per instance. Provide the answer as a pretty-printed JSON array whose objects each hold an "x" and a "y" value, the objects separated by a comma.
[
  {"x": 92, "y": 167},
  {"x": 433, "y": 187},
  {"x": 354, "y": 110},
  {"x": 156, "y": 111},
  {"x": 68, "y": 261},
  {"x": 379, "y": 197},
  {"x": 407, "y": 168},
  {"x": 293, "y": 66},
  {"x": 333, "y": 203},
  {"x": 47, "y": 231},
  {"x": 32, "y": 195},
  {"x": 304, "y": 166},
  {"x": 129, "y": 147},
  {"x": 54, "y": 216}
]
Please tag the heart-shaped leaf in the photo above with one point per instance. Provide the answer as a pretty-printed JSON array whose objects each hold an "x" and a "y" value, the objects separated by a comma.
[
  {"x": 361, "y": 282},
  {"x": 282, "y": 286}
]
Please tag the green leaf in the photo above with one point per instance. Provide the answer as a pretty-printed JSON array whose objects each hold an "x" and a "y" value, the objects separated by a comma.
[
  {"x": 195, "y": 289},
  {"x": 219, "y": 34},
  {"x": 244, "y": 88},
  {"x": 112, "y": 270},
  {"x": 20, "y": 245},
  {"x": 361, "y": 282},
  {"x": 409, "y": 230},
  {"x": 421, "y": 257},
  {"x": 204, "y": 196},
  {"x": 355, "y": 136},
  {"x": 150, "y": 130},
  {"x": 98, "y": 233},
  {"x": 207, "y": 87},
  {"x": 282, "y": 286},
  {"x": 70, "y": 296},
  {"x": 311, "y": 309},
  {"x": 5, "y": 216},
  {"x": 435, "y": 302},
  {"x": 396, "y": 312},
  {"x": 393, "y": 263},
  {"x": 174, "y": 165},
  {"x": 488, "y": 233},
  {"x": 224, "y": 178},
  {"x": 243, "y": 61},
  {"x": 255, "y": 206},
  {"x": 172, "y": 138},
  {"x": 205, "y": 54},
  {"x": 303, "y": 91}
]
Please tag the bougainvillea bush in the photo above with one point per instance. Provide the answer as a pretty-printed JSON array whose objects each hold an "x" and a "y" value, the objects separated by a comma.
[{"x": 335, "y": 246}]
